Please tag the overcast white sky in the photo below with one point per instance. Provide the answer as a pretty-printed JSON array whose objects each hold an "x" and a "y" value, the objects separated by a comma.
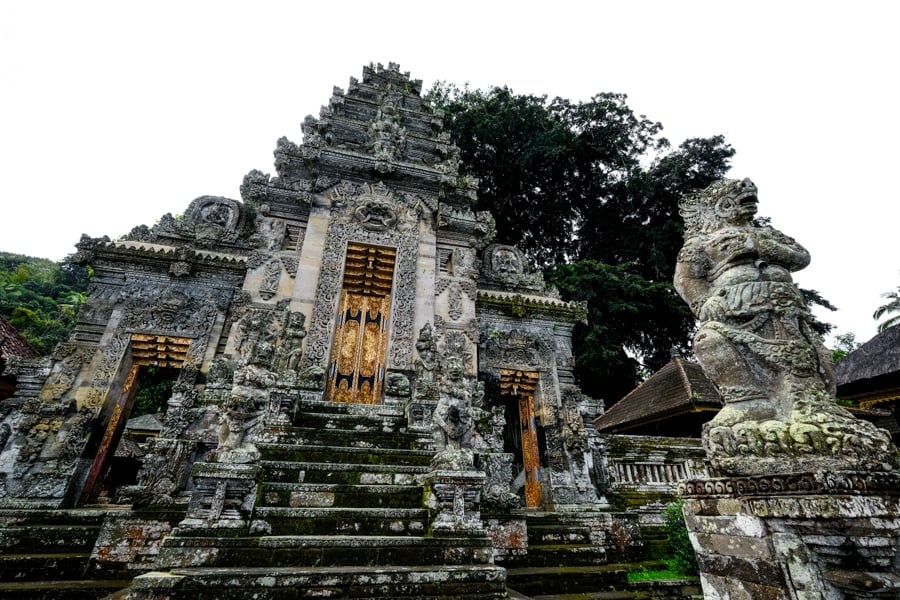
[{"x": 114, "y": 113}]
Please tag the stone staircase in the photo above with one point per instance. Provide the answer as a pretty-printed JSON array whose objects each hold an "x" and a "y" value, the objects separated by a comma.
[
  {"x": 341, "y": 495},
  {"x": 563, "y": 558},
  {"x": 45, "y": 554}
]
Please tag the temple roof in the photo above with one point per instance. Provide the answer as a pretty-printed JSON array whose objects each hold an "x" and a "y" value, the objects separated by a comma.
[
  {"x": 13, "y": 344},
  {"x": 679, "y": 387},
  {"x": 879, "y": 356}
]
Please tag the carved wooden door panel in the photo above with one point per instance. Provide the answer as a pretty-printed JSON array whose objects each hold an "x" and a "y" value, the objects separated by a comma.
[
  {"x": 356, "y": 369},
  {"x": 531, "y": 457}
]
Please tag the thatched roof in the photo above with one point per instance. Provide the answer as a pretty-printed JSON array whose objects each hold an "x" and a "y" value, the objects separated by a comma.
[
  {"x": 13, "y": 344},
  {"x": 879, "y": 356},
  {"x": 678, "y": 388}
]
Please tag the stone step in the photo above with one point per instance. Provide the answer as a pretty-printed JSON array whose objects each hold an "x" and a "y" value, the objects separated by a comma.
[
  {"x": 358, "y": 456},
  {"x": 296, "y": 495},
  {"x": 82, "y": 589},
  {"x": 483, "y": 582},
  {"x": 325, "y": 436},
  {"x": 341, "y": 473},
  {"x": 344, "y": 521},
  {"x": 12, "y": 517},
  {"x": 558, "y": 555},
  {"x": 48, "y": 538},
  {"x": 383, "y": 411},
  {"x": 43, "y": 567},
  {"x": 541, "y": 581},
  {"x": 325, "y": 551},
  {"x": 558, "y": 534}
]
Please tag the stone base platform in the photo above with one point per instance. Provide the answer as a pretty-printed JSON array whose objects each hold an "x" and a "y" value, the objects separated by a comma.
[
  {"x": 427, "y": 583},
  {"x": 810, "y": 535}
]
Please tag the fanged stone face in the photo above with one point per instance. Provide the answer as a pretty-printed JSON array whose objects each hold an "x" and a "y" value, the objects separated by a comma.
[{"x": 738, "y": 201}]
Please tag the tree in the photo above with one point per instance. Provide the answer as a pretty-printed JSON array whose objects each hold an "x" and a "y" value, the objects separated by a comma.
[
  {"x": 590, "y": 192},
  {"x": 40, "y": 298},
  {"x": 844, "y": 344},
  {"x": 891, "y": 307}
]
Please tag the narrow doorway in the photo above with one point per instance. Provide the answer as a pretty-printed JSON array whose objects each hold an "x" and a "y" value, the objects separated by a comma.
[
  {"x": 517, "y": 388},
  {"x": 153, "y": 361}
]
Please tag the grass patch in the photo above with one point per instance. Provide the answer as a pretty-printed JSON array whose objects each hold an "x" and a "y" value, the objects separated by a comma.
[{"x": 645, "y": 574}]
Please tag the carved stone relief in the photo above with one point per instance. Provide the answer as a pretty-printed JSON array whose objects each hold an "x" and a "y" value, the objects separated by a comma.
[{"x": 268, "y": 287}]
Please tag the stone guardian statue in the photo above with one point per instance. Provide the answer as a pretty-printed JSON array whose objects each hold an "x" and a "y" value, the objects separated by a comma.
[{"x": 755, "y": 343}]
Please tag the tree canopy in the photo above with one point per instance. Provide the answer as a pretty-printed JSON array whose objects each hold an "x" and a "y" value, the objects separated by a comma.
[
  {"x": 40, "y": 298},
  {"x": 590, "y": 191}
]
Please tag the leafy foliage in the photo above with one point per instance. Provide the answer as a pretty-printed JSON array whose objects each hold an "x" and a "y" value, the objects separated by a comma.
[
  {"x": 629, "y": 315},
  {"x": 40, "y": 298},
  {"x": 890, "y": 309},
  {"x": 683, "y": 558},
  {"x": 590, "y": 192},
  {"x": 844, "y": 344},
  {"x": 154, "y": 390}
]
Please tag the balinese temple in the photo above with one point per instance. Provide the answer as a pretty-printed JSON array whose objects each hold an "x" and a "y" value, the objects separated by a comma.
[{"x": 368, "y": 396}]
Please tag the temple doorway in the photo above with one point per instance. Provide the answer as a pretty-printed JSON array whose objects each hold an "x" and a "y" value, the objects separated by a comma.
[
  {"x": 356, "y": 368},
  {"x": 517, "y": 388},
  {"x": 151, "y": 358}
]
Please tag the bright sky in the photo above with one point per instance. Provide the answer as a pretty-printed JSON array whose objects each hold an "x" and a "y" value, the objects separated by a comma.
[{"x": 114, "y": 113}]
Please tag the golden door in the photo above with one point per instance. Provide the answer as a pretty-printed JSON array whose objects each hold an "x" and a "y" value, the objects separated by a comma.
[{"x": 356, "y": 368}]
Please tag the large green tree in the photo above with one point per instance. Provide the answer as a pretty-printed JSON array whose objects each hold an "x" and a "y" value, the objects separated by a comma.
[
  {"x": 40, "y": 297},
  {"x": 590, "y": 191}
]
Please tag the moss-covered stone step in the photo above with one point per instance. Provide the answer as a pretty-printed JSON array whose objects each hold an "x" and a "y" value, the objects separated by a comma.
[
  {"x": 341, "y": 473},
  {"x": 656, "y": 541},
  {"x": 539, "y": 581},
  {"x": 323, "y": 436},
  {"x": 87, "y": 589},
  {"x": 470, "y": 582},
  {"x": 48, "y": 538},
  {"x": 558, "y": 534},
  {"x": 361, "y": 423},
  {"x": 296, "y": 495},
  {"x": 558, "y": 555},
  {"x": 358, "y": 456},
  {"x": 42, "y": 567},
  {"x": 344, "y": 521},
  {"x": 382, "y": 411},
  {"x": 13, "y": 517},
  {"x": 281, "y": 551}
]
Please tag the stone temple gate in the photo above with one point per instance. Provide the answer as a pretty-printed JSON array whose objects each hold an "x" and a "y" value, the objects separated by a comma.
[{"x": 347, "y": 320}]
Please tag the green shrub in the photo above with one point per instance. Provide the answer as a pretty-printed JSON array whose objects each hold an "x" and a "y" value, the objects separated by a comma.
[{"x": 683, "y": 557}]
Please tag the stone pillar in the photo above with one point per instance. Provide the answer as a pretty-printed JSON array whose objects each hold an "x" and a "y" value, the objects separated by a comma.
[
  {"x": 455, "y": 497},
  {"x": 801, "y": 536}
]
